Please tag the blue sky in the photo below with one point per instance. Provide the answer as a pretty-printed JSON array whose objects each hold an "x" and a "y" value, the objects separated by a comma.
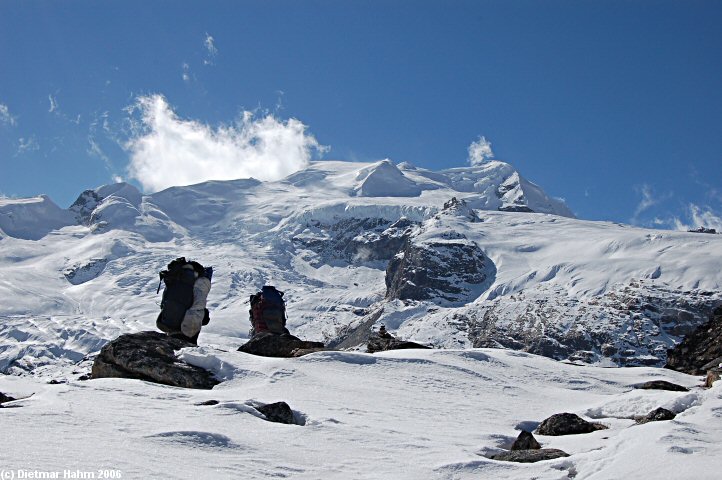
[{"x": 615, "y": 106}]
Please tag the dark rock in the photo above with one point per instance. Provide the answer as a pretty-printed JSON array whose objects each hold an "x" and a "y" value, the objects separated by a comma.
[
  {"x": 661, "y": 385},
  {"x": 657, "y": 415},
  {"x": 208, "y": 403},
  {"x": 379, "y": 344},
  {"x": 440, "y": 269},
  {"x": 525, "y": 441},
  {"x": 5, "y": 398},
  {"x": 698, "y": 348},
  {"x": 713, "y": 374},
  {"x": 529, "y": 456},
  {"x": 567, "y": 424},
  {"x": 285, "y": 345},
  {"x": 278, "y": 412},
  {"x": 703, "y": 230},
  {"x": 150, "y": 356}
]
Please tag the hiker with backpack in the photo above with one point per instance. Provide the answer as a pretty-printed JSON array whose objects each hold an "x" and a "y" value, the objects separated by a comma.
[
  {"x": 183, "y": 305},
  {"x": 268, "y": 312}
]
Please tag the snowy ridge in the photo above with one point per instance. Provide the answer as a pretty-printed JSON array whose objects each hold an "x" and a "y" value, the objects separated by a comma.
[{"x": 551, "y": 284}]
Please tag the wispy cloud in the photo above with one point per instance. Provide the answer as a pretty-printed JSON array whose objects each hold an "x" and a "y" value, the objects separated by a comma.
[
  {"x": 480, "y": 152},
  {"x": 166, "y": 150},
  {"x": 211, "y": 50},
  {"x": 186, "y": 72},
  {"x": 645, "y": 203},
  {"x": 5, "y": 117},
  {"x": 698, "y": 216},
  {"x": 53, "y": 104},
  {"x": 26, "y": 145},
  {"x": 99, "y": 130}
]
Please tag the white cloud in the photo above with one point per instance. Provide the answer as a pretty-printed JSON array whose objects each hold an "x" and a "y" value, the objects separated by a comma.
[
  {"x": 696, "y": 217},
  {"x": 186, "y": 72},
  {"x": 480, "y": 152},
  {"x": 648, "y": 200},
  {"x": 27, "y": 145},
  {"x": 211, "y": 50},
  {"x": 53, "y": 104},
  {"x": 166, "y": 150},
  {"x": 5, "y": 117}
]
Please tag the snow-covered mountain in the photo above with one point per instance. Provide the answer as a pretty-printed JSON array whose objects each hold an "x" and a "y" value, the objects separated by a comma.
[
  {"x": 464, "y": 258},
  {"x": 355, "y": 245}
]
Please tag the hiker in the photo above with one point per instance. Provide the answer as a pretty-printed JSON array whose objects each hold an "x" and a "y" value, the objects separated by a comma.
[
  {"x": 268, "y": 312},
  {"x": 183, "y": 306}
]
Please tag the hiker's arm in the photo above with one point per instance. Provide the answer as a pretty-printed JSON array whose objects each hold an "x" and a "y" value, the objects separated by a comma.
[{"x": 193, "y": 318}]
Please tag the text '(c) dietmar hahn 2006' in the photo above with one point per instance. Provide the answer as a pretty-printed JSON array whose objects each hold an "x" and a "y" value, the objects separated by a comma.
[{"x": 28, "y": 473}]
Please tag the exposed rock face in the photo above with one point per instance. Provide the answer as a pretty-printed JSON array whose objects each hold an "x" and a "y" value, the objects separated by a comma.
[
  {"x": 284, "y": 346},
  {"x": 356, "y": 240},
  {"x": 567, "y": 424},
  {"x": 662, "y": 385},
  {"x": 649, "y": 317},
  {"x": 278, "y": 412},
  {"x": 529, "y": 456},
  {"x": 657, "y": 415},
  {"x": 450, "y": 269},
  {"x": 85, "y": 204},
  {"x": 525, "y": 441},
  {"x": 698, "y": 348},
  {"x": 150, "y": 356}
]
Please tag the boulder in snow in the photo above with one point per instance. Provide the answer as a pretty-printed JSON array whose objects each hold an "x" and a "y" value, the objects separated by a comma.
[
  {"x": 278, "y": 412},
  {"x": 661, "y": 385},
  {"x": 525, "y": 441},
  {"x": 567, "y": 424},
  {"x": 150, "y": 356},
  {"x": 284, "y": 346},
  {"x": 529, "y": 456},
  {"x": 656, "y": 415}
]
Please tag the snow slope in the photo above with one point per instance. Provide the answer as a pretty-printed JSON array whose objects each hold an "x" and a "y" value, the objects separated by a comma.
[
  {"x": 405, "y": 415},
  {"x": 594, "y": 293}
]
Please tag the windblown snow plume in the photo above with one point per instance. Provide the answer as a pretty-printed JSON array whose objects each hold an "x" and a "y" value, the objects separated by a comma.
[
  {"x": 480, "y": 152},
  {"x": 166, "y": 150}
]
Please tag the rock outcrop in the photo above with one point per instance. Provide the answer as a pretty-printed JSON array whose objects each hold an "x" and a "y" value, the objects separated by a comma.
[
  {"x": 382, "y": 341},
  {"x": 452, "y": 270},
  {"x": 699, "y": 348},
  {"x": 150, "y": 356},
  {"x": 284, "y": 346},
  {"x": 567, "y": 424}
]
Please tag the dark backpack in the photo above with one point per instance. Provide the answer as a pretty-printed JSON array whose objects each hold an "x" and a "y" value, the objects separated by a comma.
[
  {"x": 178, "y": 293},
  {"x": 268, "y": 311}
]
